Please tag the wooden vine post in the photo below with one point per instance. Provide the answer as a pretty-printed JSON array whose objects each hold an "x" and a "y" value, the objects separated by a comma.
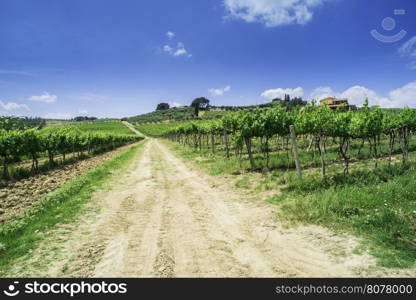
[{"x": 295, "y": 150}]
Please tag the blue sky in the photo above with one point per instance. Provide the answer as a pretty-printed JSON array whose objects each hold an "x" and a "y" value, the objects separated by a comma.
[{"x": 110, "y": 58}]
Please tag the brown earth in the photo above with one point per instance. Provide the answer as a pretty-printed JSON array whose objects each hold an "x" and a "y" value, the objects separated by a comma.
[
  {"x": 163, "y": 219},
  {"x": 16, "y": 197}
]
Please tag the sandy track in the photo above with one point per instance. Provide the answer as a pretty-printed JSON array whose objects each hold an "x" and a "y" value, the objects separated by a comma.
[
  {"x": 164, "y": 220},
  {"x": 131, "y": 127}
]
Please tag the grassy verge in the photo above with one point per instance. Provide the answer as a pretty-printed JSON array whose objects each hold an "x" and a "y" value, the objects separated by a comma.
[
  {"x": 18, "y": 237},
  {"x": 110, "y": 127},
  {"x": 378, "y": 205},
  {"x": 213, "y": 164}
]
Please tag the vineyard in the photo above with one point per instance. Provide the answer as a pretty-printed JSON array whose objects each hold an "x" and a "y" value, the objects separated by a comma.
[
  {"x": 358, "y": 167},
  {"x": 340, "y": 135},
  {"x": 105, "y": 127},
  {"x": 241, "y": 139},
  {"x": 16, "y": 123},
  {"x": 32, "y": 144},
  {"x": 358, "y": 176}
]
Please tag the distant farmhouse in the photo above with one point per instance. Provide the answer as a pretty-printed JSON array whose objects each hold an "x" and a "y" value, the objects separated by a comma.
[{"x": 335, "y": 103}]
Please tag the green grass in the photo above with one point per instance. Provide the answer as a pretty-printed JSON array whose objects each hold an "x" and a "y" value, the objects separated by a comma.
[
  {"x": 20, "y": 236},
  {"x": 244, "y": 182},
  {"x": 156, "y": 129},
  {"x": 378, "y": 206},
  {"x": 114, "y": 127},
  {"x": 104, "y": 127},
  {"x": 213, "y": 164},
  {"x": 362, "y": 176},
  {"x": 281, "y": 158}
]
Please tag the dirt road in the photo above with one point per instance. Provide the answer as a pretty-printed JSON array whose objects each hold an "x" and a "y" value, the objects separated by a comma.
[
  {"x": 163, "y": 219},
  {"x": 131, "y": 127}
]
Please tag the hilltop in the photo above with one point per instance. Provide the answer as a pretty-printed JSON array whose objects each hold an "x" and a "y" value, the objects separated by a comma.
[{"x": 186, "y": 113}]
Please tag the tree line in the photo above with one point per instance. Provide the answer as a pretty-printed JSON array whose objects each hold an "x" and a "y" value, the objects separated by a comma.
[{"x": 21, "y": 123}]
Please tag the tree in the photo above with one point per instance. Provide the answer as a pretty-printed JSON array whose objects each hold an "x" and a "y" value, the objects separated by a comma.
[
  {"x": 162, "y": 106},
  {"x": 287, "y": 98},
  {"x": 200, "y": 103},
  {"x": 81, "y": 118},
  {"x": 297, "y": 101},
  {"x": 289, "y": 103}
]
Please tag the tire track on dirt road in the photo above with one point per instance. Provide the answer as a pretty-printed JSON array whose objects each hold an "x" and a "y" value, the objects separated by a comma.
[
  {"x": 239, "y": 233},
  {"x": 163, "y": 219},
  {"x": 132, "y": 128},
  {"x": 120, "y": 225}
]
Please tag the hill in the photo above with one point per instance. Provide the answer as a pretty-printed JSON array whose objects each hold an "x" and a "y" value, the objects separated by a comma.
[{"x": 188, "y": 113}]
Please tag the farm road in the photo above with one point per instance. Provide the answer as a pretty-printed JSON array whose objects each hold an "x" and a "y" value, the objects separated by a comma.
[
  {"x": 163, "y": 219},
  {"x": 132, "y": 128}
]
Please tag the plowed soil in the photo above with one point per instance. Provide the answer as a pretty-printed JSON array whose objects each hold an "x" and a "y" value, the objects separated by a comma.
[{"x": 18, "y": 196}]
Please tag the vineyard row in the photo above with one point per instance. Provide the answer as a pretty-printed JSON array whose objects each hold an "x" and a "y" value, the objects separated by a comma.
[
  {"x": 318, "y": 124},
  {"x": 32, "y": 143}
]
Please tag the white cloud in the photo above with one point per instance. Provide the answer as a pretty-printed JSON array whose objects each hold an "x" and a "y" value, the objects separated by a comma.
[
  {"x": 175, "y": 104},
  {"x": 45, "y": 97},
  {"x": 181, "y": 51},
  {"x": 408, "y": 49},
  {"x": 168, "y": 49},
  {"x": 83, "y": 111},
  {"x": 178, "y": 50},
  {"x": 58, "y": 116},
  {"x": 13, "y": 106},
  {"x": 272, "y": 13},
  {"x": 356, "y": 95},
  {"x": 405, "y": 95},
  {"x": 321, "y": 93},
  {"x": 170, "y": 35},
  {"x": 220, "y": 92},
  {"x": 280, "y": 93},
  {"x": 16, "y": 72}
]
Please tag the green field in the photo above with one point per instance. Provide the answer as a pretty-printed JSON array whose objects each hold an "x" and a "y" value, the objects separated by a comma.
[
  {"x": 26, "y": 152},
  {"x": 156, "y": 129},
  {"x": 113, "y": 127},
  {"x": 367, "y": 188}
]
